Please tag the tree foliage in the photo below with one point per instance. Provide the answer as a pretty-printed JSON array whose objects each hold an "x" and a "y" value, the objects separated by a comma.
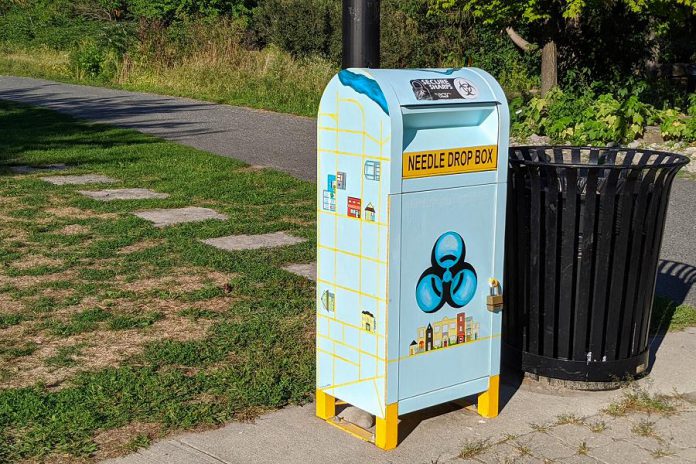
[{"x": 511, "y": 12}]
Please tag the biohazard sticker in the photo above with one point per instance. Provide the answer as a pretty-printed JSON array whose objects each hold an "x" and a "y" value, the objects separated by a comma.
[{"x": 444, "y": 89}]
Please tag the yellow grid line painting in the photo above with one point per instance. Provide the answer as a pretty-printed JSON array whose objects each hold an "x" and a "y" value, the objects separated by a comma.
[{"x": 351, "y": 289}]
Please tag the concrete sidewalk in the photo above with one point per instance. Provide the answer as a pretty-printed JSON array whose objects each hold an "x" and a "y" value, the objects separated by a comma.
[
  {"x": 288, "y": 143},
  {"x": 536, "y": 424}
]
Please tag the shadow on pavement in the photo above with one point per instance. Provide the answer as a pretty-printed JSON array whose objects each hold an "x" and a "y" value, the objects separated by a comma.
[{"x": 674, "y": 280}]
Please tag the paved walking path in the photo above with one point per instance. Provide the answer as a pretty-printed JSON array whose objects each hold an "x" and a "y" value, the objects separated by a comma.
[
  {"x": 288, "y": 143},
  {"x": 257, "y": 137}
]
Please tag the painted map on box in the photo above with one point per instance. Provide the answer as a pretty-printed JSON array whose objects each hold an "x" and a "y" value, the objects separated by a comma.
[{"x": 353, "y": 165}]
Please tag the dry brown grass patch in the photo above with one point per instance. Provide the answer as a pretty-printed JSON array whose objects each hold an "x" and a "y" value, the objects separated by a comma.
[
  {"x": 77, "y": 213},
  {"x": 139, "y": 246},
  {"x": 25, "y": 282},
  {"x": 113, "y": 443},
  {"x": 185, "y": 280},
  {"x": 102, "y": 349},
  {"x": 297, "y": 221},
  {"x": 75, "y": 229},
  {"x": 9, "y": 304},
  {"x": 33, "y": 261}
]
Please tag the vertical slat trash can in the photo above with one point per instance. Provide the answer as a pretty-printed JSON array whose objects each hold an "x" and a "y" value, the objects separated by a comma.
[{"x": 584, "y": 230}]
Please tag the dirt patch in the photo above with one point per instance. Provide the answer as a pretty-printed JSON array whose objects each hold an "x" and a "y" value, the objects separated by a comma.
[
  {"x": 34, "y": 261},
  {"x": 74, "y": 229},
  {"x": 113, "y": 443},
  {"x": 139, "y": 246},
  {"x": 77, "y": 213}
]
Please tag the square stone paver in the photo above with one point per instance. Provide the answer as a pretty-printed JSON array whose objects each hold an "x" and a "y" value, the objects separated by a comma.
[
  {"x": 308, "y": 271},
  {"x": 253, "y": 242},
  {"x": 43, "y": 168},
  {"x": 79, "y": 180},
  {"x": 167, "y": 217},
  {"x": 123, "y": 194}
]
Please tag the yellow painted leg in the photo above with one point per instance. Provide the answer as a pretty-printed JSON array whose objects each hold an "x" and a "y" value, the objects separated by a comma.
[
  {"x": 326, "y": 405},
  {"x": 387, "y": 430},
  {"x": 488, "y": 400}
]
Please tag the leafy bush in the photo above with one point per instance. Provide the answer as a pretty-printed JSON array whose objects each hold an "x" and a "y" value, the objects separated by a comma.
[
  {"x": 679, "y": 126},
  {"x": 45, "y": 23},
  {"x": 91, "y": 60},
  {"x": 585, "y": 118},
  {"x": 301, "y": 27}
]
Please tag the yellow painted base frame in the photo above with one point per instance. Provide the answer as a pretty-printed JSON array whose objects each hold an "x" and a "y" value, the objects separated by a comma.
[
  {"x": 326, "y": 405},
  {"x": 488, "y": 400},
  {"x": 386, "y": 429}
]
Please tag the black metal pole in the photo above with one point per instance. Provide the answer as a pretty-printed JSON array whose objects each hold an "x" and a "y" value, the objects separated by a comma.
[{"x": 360, "y": 33}]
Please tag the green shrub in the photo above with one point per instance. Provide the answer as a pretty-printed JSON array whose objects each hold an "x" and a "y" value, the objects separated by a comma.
[
  {"x": 90, "y": 60},
  {"x": 585, "y": 118},
  {"x": 675, "y": 125},
  {"x": 301, "y": 27}
]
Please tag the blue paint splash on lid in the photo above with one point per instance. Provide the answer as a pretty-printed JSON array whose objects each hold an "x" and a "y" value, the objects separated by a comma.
[{"x": 364, "y": 85}]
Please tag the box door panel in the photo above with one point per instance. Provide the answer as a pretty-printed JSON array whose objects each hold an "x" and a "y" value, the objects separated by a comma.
[{"x": 446, "y": 261}]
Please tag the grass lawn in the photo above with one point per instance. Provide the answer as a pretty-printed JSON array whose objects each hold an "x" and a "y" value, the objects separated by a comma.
[{"x": 114, "y": 332}]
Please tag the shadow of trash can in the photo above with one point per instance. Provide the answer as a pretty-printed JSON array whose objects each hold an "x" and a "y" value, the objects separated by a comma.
[{"x": 583, "y": 237}]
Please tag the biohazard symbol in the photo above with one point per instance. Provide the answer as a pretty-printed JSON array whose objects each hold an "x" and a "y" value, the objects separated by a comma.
[
  {"x": 465, "y": 88},
  {"x": 450, "y": 279}
]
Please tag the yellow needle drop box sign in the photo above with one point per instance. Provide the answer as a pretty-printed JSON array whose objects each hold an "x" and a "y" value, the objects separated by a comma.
[{"x": 449, "y": 161}]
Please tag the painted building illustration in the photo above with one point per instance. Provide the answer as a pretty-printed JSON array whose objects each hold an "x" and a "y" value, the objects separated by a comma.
[
  {"x": 368, "y": 321},
  {"x": 448, "y": 331},
  {"x": 373, "y": 170},
  {"x": 370, "y": 213},
  {"x": 341, "y": 180},
  {"x": 328, "y": 301},
  {"x": 329, "y": 195},
  {"x": 354, "y": 205}
]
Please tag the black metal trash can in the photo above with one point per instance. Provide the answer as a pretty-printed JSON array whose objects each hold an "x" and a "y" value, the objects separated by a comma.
[{"x": 584, "y": 230}]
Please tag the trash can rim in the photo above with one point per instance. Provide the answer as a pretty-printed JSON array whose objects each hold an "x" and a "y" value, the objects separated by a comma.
[{"x": 678, "y": 160}]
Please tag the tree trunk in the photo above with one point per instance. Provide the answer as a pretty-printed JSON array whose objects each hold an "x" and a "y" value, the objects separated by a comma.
[{"x": 549, "y": 67}]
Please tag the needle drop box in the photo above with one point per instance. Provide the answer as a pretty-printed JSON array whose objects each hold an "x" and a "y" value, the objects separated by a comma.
[{"x": 411, "y": 190}]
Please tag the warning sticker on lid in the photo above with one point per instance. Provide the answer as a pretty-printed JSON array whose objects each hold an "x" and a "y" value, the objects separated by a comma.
[{"x": 444, "y": 89}]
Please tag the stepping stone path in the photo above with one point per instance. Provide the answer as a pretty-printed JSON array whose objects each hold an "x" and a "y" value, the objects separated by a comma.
[
  {"x": 32, "y": 169},
  {"x": 168, "y": 217},
  {"x": 253, "y": 242},
  {"x": 79, "y": 180},
  {"x": 123, "y": 194},
  {"x": 172, "y": 216},
  {"x": 308, "y": 271}
]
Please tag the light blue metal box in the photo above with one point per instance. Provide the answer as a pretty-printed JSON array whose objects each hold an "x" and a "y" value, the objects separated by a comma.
[{"x": 411, "y": 189}]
